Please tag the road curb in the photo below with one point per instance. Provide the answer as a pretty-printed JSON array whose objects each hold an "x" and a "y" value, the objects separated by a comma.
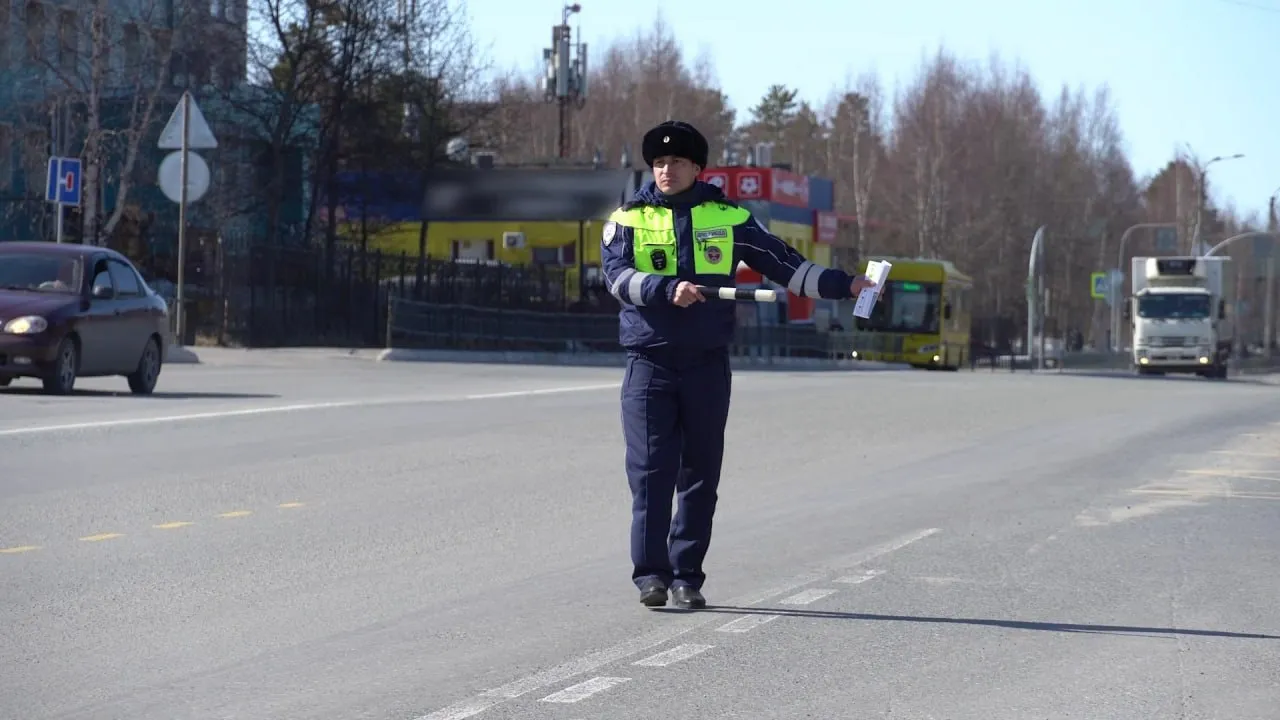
[{"x": 614, "y": 360}]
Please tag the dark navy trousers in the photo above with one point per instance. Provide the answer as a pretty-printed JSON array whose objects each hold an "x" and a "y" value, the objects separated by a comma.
[{"x": 675, "y": 405}]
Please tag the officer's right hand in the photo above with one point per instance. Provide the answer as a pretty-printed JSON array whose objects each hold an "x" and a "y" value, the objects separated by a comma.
[{"x": 687, "y": 294}]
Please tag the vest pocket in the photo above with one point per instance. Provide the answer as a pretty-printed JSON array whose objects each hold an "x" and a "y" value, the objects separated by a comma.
[{"x": 655, "y": 251}]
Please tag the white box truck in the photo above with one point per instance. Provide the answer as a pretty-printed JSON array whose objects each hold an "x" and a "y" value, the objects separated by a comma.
[{"x": 1178, "y": 313}]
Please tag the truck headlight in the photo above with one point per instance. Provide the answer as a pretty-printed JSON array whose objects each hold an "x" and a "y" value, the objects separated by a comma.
[{"x": 26, "y": 325}]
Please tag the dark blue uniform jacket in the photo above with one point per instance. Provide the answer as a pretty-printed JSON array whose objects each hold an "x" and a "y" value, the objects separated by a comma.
[{"x": 656, "y": 322}]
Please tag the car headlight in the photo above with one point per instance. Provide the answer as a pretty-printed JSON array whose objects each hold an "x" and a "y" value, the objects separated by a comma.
[{"x": 26, "y": 325}]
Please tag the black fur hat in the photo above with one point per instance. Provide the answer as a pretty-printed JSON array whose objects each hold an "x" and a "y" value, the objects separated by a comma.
[{"x": 675, "y": 138}]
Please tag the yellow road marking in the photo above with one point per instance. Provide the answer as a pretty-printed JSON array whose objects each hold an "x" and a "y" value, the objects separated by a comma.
[
  {"x": 235, "y": 513},
  {"x": 19, "y": 549},
  {"x": 290, "y": 505},
  {"x": 172, "y": 525},
  {"x": 1232, "y": 474},
  {"x": 100, "y": 537}
]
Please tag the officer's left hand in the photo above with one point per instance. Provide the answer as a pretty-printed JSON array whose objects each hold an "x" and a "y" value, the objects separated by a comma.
[{"x": 860, "y": 283}]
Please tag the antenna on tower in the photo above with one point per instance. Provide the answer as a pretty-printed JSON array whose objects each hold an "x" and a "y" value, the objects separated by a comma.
[{"x": 565, "y": 79}]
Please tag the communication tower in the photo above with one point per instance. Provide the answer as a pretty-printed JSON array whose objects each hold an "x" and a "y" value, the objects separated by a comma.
[{"x": 565, "y": 79}]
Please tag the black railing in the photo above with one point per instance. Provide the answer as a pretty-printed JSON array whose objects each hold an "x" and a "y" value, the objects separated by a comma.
[
  {"x": 413, "y": 325},
  {"x": 300, "y": 296}
]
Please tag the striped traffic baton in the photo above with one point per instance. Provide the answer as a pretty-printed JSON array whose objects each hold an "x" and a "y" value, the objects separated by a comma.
[{"x": 730, "y": 293}]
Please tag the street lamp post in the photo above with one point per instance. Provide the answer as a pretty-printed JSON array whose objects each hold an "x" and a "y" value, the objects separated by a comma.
[
  {"x": 1272, "y": 220},
  {"x": 1200, "y": 194},
  {"x": 1116, "y": 295}
]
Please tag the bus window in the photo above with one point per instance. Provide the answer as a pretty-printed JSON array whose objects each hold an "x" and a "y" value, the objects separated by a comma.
[{"x": 906, "y": 307}]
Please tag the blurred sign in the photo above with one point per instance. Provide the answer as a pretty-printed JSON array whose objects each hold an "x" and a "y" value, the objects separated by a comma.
[
  {"x": 826, "y": 227},
  {"x": 790, "y": 188},
  {"x": 529, "y": 195}
]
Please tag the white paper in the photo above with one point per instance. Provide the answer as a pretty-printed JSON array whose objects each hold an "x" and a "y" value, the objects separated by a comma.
[{"x": 878, "y": 272}]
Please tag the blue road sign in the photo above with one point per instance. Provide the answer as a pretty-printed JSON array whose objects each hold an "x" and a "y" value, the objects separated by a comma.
[
  {"x": 1100, "y": 285},
  {"x": 63, "y": 183}
]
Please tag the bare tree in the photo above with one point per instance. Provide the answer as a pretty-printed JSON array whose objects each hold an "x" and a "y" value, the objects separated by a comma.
[
  {"x": 105, "y": 66},
  {"x": 288, "y": 61},
  {"x": 864, "y": 109}
]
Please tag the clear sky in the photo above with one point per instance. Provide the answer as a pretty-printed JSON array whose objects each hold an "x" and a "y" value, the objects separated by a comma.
[{"x": 1203, "y": 73}]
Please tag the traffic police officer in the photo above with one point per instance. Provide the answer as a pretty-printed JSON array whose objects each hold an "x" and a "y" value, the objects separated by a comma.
[{"x": 676, "y": 233}]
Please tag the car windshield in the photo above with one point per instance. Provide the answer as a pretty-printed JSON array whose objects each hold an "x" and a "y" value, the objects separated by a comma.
[
  {"x": 1171, "y": 306},
  {"x": 39, "y": 272}
]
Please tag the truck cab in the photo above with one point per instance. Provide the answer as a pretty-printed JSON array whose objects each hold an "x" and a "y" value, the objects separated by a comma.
[{"x": 1178, "y": 316}]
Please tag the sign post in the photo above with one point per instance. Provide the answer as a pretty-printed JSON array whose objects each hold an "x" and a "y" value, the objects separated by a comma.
[
  {"x": 62, "y": 188},
  {"x": 186, "y": 130}
]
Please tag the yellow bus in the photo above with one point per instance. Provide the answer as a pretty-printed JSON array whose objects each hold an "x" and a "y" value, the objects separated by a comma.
[{"x": 923, "y": 317}]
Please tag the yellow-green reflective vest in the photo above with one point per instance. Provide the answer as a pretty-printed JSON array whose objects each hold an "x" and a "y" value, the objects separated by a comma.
[{"x": 654, "y": 237}]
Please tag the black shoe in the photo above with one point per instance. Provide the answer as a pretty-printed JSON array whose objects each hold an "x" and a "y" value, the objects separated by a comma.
[
  {"x": 653, "y": 593},
  {"x": 687, "y": 597}
]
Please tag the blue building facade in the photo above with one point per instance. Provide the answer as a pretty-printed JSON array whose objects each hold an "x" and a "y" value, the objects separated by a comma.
[{"x": 51, "y": 67}]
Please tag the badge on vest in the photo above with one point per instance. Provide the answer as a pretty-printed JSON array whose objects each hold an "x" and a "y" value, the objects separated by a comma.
[
  {"x": 659, "y": 259},
  {"x": 712, "y": 254},
  {"x": 712, "y": 234}
]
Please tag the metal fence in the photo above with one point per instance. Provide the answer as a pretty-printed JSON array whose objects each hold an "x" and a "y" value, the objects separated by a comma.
[
  {"x": 417, "y": 325},
  {"x": 414, "y": 325},
  {"x": 299, "y": 296}
]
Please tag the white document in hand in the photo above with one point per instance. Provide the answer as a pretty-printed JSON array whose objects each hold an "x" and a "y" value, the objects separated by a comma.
[{"x": 878, "y": 272}]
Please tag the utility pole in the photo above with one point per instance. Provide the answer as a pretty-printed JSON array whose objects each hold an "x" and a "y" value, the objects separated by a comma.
[
  {"x": 565, "y": 79},
  {"x": 1269, "y": 313}
]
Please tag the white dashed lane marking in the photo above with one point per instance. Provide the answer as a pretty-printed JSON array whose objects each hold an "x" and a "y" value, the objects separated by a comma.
[
  {"x": 678, "y": 626},
  {"x": 674, "y": 655},
  {"x": 805, "y": 597},
  {"x": 859, "y": 579},
  {"x": 745, "y": 623},
  {"x": 584, "y": 690},
  {"x": 464, "y": 709}
]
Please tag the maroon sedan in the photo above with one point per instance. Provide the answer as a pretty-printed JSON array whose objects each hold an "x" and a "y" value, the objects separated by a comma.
[{"x": 69, "y": 310}]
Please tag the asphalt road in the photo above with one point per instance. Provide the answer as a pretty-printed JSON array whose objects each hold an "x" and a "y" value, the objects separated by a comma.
[{"x": 299, "y": 536}]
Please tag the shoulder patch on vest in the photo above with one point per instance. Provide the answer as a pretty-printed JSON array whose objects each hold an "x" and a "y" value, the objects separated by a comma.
[
  {"x": 711, "y": 234},
  {"x": 610, "y": 228}
]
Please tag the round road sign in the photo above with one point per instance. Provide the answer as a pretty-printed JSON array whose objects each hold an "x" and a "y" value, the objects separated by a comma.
[{"x": 170, "y": 176}]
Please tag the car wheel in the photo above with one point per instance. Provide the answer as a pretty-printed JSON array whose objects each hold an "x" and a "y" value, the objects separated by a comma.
[
  {"x": 63, "y": 379},
  {"x": 143, "y": 380}
]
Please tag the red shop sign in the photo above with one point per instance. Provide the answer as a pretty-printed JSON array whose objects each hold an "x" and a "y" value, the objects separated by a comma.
[{"x": 790, "y": 189}]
